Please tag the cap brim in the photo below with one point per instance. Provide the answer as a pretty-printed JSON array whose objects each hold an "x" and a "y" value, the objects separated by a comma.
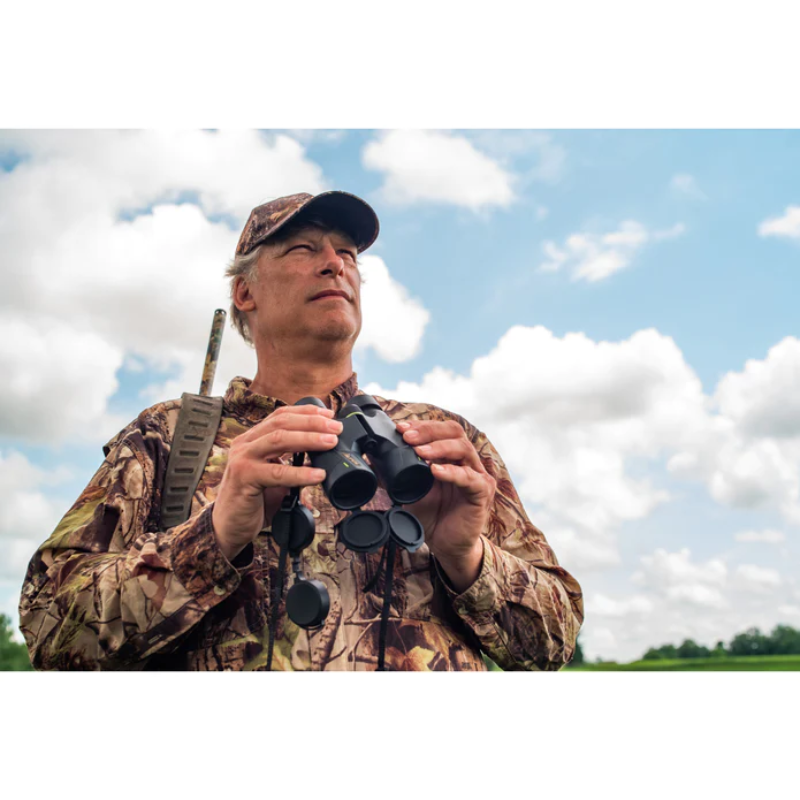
[{"x": 347, "y": 212}]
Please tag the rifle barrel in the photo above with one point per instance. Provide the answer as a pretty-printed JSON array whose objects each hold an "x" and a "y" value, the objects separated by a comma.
[{"x": 212, "y": 355}]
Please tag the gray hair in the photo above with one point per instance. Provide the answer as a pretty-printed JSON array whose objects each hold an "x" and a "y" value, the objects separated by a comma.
[{"x": 246, "y": 266}]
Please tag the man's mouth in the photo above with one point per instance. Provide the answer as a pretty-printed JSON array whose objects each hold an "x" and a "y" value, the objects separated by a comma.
[{"x": 330, "y": 293}]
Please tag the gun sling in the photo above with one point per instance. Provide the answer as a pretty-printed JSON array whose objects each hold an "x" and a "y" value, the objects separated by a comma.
[{"x": 198, "y": 421}]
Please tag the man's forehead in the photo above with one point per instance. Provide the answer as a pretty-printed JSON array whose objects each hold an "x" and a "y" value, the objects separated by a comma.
[{"x": 317, "y": 233}]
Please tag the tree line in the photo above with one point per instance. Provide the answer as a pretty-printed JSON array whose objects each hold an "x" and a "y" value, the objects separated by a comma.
[{"x": 784, "y": 640}]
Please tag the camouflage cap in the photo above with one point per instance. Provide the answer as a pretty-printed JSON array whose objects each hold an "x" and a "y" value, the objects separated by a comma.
[{"x": 346, "y": 211}]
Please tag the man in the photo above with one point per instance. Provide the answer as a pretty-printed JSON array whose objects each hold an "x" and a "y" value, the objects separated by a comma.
[{"x": 111, "y": 589}]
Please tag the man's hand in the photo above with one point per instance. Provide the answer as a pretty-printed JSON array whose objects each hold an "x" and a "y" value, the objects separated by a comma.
[
  {"x": 255, "y": 481},
  {"x": 456, "y": 510}
]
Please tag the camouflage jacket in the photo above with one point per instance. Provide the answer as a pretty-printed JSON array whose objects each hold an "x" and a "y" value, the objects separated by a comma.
[{"x": 111, "y": 590}]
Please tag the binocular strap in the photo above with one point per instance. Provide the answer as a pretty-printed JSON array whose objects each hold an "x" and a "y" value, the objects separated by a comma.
[
  {"x": 387, "y": 561},
  {"x": 277, "y": 596}
]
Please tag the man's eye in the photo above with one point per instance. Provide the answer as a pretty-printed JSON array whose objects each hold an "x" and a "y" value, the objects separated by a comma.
[
  {"x": 349, "y": 254},
  {"x": 297, "y": 246}
]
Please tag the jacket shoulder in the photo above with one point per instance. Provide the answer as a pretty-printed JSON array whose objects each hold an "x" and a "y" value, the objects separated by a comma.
[{"x": 156, "y": 422}]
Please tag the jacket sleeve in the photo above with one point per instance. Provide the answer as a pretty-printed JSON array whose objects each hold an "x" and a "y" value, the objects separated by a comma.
[
  {"x": 104, "y": 593},
  {"x": 524, "y": 609}
]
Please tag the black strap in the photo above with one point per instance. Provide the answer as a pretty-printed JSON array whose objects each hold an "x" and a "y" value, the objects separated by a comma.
[
  {"x": 198, "y": 421},
  {"x": 277, "y": 591},
  {"x": 277, "y": 597},
  {"x": 390, "y": 548}
]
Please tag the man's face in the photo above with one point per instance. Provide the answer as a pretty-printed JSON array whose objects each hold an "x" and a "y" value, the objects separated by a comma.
[{"x": 308, "y": 286}]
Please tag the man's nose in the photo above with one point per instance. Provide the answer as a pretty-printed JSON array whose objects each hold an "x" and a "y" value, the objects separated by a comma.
[{"x": 331, "y": 261}]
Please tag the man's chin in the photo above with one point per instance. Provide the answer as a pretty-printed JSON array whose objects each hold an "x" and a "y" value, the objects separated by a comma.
[{"x": 336, "y": 333}]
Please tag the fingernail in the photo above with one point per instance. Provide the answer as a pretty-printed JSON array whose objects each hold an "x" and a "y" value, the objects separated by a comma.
[
  {"x": 403, "y": 425},
  {"x": 412, "y": 434},
  {"x": 329, "y": 438}
]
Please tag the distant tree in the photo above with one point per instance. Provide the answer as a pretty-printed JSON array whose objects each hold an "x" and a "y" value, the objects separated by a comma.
[
  {"x": 750, "y": 643},
  {"x": 666, "y": 651},
  {"x": 784, "y": 640},
  {"x": 577, "y": 658},
  {"x": 690, "y": 649},
  {"x": 719, "y": 650},
  {"x": 13, "y": 655}
]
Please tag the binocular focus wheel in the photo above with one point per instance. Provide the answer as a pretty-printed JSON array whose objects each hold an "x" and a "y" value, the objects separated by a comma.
[{"x": 308, "y": 603}]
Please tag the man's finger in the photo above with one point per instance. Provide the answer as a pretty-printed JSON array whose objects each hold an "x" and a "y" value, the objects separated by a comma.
[
  {"x": 289, "y": 417},
  {"x": 474, "y": 484},
  {"x": 424, "y": 431},
  {"x": 281, "y": 441},
  {"x": 268, "y": 475},
  {"x": 456, "y": 451}
]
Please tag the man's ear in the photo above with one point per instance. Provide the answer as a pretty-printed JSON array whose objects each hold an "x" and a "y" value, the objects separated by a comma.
[{"x": 242, "y": 297}]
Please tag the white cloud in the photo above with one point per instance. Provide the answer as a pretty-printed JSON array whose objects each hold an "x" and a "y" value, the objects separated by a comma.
[
  {"x": 789, "y": 610},
  {"x": 755, "y": 578},
  {"x": 393, "y": 323},
  {"x": 71, "y": 172},
  {"x": 663, "y": 570},
  {"x": 748, "y": 453},
  {"x": 59, "y": 380},
  {"x": 788, "y": 225},
  {"x": 763, "y": 400},
  {"x": 436, "y": 167},
  {"x": 767, "y": 536},
  {"x": 28, "y": 511},
  {"x": 696, "y": 595},
  {"x": 593, "y": 257},
  {"x": 603, "y": 606},
  {"x": 686, "y": 184},
  {"x": 598, "y": 640},
  {"x": 680, "y": 583}
]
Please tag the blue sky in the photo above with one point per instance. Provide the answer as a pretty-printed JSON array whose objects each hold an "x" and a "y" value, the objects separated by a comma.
[{"x": 616, "y": 309}]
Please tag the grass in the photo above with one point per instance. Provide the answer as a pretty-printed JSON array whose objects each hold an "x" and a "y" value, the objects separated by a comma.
[{"x": 728, "y": 663}]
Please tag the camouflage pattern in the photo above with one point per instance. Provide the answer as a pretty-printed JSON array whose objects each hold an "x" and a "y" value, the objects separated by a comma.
[
  {"x": 110, "y": 590},
  {"x": 212, "y": 354},
  {"x": 351, "y": 213}
]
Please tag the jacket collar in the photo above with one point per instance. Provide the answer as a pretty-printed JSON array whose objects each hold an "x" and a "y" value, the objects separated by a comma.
[{"x": 240, "y": 401}]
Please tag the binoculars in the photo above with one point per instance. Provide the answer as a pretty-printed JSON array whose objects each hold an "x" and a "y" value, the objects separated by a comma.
[{"x": 351, "y": 482}]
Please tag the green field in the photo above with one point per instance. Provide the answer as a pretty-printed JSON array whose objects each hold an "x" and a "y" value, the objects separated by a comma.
[{"x": 728, "y": 663}]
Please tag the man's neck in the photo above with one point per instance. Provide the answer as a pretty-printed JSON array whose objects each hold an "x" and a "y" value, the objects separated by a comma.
[{"x": 289, "y": 379}]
